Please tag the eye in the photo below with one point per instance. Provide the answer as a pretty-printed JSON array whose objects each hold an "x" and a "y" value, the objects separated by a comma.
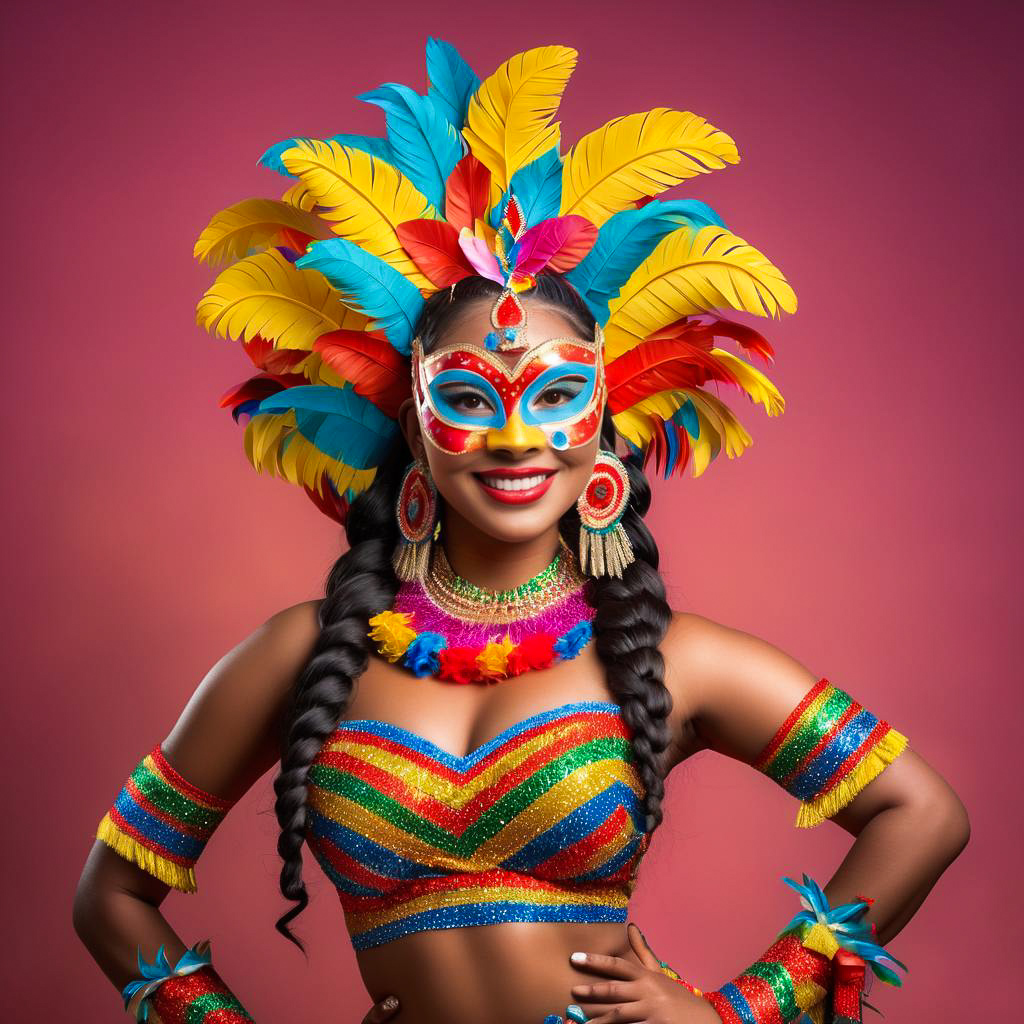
[
  {"x": 562, "y": 391},
  {"x": 467, "y": 400}
]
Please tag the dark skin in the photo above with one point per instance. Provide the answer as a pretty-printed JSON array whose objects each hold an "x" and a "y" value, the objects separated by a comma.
[{"x": 730, "y": 690}]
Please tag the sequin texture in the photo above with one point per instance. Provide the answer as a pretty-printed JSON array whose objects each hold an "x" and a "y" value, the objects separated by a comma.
[
  {"x": 542, "y": 823},
  {"x": 199, "y": 998}
]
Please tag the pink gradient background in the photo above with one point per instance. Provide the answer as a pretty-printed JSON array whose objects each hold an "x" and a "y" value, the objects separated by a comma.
[{"x": 872, "y": 531}]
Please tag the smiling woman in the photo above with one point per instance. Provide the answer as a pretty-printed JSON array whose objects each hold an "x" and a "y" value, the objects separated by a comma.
[{"x": 468, "y": 347}]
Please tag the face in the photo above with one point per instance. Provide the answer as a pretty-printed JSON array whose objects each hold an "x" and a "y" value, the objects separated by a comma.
[{"x": 510, "y": 437}]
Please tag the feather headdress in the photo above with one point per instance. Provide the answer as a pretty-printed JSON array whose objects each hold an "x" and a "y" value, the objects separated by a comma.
[{"x": 323, "y": 287}]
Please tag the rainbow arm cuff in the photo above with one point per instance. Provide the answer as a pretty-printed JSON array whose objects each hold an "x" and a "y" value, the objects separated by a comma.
[
  {"x": 161, "y": 822},
  {"x": 198, "y": 998},
  {"x": 828, "y": 749}
]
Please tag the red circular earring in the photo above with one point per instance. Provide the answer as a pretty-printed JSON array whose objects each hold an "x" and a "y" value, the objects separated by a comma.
[
  {"x": 604, "y": 546},
  {"x": 416, "y": 515}
]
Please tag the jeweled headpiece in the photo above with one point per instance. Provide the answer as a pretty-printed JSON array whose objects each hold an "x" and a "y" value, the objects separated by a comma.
[{"x": 325, "y": 286}]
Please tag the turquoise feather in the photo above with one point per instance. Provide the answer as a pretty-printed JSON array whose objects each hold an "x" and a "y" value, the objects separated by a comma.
[
  {"x": 340, "y": 423},
  {"x": 369, "y": 285},
  {"x": 625, "y": 240},
  {"x": 367, "y": 143},
  {"x": 452, "y": 81},
  {"x": 538, "y": 187},
  {"x": 425, "y": 146}
]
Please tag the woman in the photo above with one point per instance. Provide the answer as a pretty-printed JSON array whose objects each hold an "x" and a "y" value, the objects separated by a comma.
[{"x": 485, "y": 837}]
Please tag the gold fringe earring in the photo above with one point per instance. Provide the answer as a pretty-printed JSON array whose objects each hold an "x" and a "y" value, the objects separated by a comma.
[
  {"x": 605, "y": 549},
  {"x": 416, "y": 514}
]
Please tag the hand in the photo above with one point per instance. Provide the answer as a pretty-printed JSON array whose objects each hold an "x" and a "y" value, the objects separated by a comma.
[
  {"x": 636, "y": 993},
  {"x": 382, "y": 1010}
]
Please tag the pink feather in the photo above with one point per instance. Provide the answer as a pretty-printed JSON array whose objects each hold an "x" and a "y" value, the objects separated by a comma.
[
  {"x": 557, "y": 244},
  {"x": 483, "y": 261}
]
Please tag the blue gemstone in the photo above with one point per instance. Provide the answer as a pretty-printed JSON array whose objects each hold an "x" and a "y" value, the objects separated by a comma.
[
  {"x": 510, "y": 334},
  {"x": 491, "y": 340},
  {"x": 559, "y": 440},
  {"x": 414, "y": 508}
]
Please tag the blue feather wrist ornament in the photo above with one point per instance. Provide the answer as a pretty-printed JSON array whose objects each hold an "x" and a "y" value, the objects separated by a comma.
[{"x": 160, "y": 970}]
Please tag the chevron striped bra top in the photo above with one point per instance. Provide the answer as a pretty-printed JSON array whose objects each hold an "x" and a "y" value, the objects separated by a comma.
[{"x": 542, "y": 823}]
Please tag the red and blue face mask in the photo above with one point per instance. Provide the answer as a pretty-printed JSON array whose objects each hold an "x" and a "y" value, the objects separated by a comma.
[{"x": 469, "y": 398}]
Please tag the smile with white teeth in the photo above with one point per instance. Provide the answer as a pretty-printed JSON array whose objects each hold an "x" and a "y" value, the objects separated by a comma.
[{"x": 521, "y": 483}]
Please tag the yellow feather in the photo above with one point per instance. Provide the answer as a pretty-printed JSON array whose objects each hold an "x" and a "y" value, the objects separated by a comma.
[
  {"x": 754, "y": 382},
  {"x": 266, "y": 295},
  {"x": 509, "y": 120},
  {"x": 366, "y": 199},
  {"x": 298, "y": 462},
  {"x": 251, "y": 225},
  {"x": 300, "y": 197},
  {"x": 639, "y": 155},
  {"x": 693, "y": 272}
]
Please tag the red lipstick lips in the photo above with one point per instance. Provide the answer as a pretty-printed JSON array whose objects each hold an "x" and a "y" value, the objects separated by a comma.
[{"x": 519, "y": 486}]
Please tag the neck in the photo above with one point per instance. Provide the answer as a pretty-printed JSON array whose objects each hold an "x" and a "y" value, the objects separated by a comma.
[{"x": 494, "y": 564}]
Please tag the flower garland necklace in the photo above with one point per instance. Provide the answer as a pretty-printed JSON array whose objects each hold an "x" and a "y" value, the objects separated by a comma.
[{"x": 450, "y": 628}]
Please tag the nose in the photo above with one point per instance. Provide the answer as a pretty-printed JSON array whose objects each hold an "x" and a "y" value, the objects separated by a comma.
[{"x": 516, "y": 437}]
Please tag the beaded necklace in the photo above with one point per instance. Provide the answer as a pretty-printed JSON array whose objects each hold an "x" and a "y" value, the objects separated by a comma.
[{"x": 448, "y": 627}]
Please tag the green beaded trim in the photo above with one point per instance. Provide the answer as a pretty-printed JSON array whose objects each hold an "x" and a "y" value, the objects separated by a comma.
[{"x": 532, "y": 587}]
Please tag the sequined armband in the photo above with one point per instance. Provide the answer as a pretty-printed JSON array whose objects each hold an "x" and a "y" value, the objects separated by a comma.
[
  {"x": 828, "y": 749},
  {"x": 161, "y": 822}
]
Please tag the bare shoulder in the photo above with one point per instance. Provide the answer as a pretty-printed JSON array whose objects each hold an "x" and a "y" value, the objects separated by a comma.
[
  {"x": 733, "y": 686},
  {"x": 229, "y": 731}
]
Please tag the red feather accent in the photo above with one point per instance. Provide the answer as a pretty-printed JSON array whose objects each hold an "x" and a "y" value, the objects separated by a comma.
[
  {"x": 703, "y": 328},
  {"x": 328, "y": 502},
  {"x": 532, "y": 652},
  {"x": 661, "y": 364},
  {"x": 273, "y": 360},
  {"x": 467, "y": 193},
  {"x": 458, "y": 665},
  {"x": 376, "y": 369},
  {"x": 257, "y": 388},
  {"x": 557, "y": 244},
  {"x": 294, "y": 240},
  {"x": 434, "y": 247}
]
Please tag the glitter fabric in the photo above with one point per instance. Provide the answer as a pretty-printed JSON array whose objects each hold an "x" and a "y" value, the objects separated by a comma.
[
  {"x": 828, "y": 749},
  {"x": 541, "y": 823},
  {"x": 199, "y": 998},
  {"x": 161, "y": 822}
]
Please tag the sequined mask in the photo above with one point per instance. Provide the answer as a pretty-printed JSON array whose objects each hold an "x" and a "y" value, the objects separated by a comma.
[{"x": 467, "y": 397}]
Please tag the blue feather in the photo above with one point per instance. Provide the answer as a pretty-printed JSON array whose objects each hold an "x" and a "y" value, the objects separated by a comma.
[
  {"x": 340, "y": 423},
  {"x": 538, "y": 187},
  {"x": 367, "y": 143},
  {"x": 369, "y": 285},
  {"x": 452, "y": 81},
  {"x": 625, "y": 240},
  {"x": 424, "y": 145}
]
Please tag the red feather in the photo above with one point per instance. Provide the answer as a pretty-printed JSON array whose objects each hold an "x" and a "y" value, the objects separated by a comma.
[
  {"x": 375, "y": 368},
  {"x": 257, "y": 388},
  {"x": 660, "y": 364},
  {"x": 578, "y": 243},
  {"x": 273, "y": 360},
  {"x": 467, "y": 193},
  {"x": 702, "y": 329},
  {"x": 294, "y": 240},
  {"x": 328, "y": 502},
  {"x": 557, "y": 244},
  {"x": 434, "y": 247}
]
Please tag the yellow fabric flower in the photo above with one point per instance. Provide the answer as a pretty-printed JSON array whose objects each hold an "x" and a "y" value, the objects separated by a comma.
[
  {"x": 391, "y": 632},
  {"x": 493, "y": 659}
]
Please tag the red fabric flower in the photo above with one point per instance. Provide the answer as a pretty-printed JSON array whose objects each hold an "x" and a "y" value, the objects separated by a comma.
[
  {"x": 534, "y": 652},
  {"x": 458, "y": 665}
]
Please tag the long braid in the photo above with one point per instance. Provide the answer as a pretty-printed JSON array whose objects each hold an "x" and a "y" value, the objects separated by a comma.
[
  {"x": 361, "y": 584},
  {"x": 630, "y": 622}
]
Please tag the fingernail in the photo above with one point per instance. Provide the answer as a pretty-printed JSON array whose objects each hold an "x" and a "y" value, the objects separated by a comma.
[
  {"x": 578, "y": 958},
  {"x": 390, "y": 1003},
  {"x": 575, "y": 1013},
  {"x": 553, "y": 1018}
]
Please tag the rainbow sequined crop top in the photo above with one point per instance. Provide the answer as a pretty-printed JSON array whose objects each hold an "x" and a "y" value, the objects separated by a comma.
[{"x": 542, "y": 823}]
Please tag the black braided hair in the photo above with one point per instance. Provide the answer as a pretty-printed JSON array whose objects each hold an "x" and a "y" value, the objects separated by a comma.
[{"x": 631, "y": 617}]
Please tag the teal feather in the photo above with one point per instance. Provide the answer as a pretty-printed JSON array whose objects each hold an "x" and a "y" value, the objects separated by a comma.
[
  {"x": 340, "y": 423},
  {"x": 625, "y": 240},
  {"x": 425, "y": 146},
  {"x": 369, "y": 285},
  {"x": 538, "y": 187},
  {"x": 367, "y": 143},
  {"x": 452, "y": 81}
]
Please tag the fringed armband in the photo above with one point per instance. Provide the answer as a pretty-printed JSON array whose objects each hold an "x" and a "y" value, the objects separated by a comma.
[
  {"x": 161, "y": 822},
  {"x": 828, "y": 749}
]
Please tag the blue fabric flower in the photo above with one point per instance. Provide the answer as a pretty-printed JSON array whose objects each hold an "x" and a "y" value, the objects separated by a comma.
[
  {"x": 421, "y": 656},
  {"x": 569, "y": 644}
]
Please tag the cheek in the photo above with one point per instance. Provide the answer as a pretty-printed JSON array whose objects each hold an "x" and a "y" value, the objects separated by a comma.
[
  {"x": 578, "y": 434},
  {"x": 451, "y": 440}
]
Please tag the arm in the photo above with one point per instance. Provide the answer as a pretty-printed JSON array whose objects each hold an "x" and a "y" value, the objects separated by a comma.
[
  {"x": 735, "y": 692},
  {"x": 226, "y": 738}
]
